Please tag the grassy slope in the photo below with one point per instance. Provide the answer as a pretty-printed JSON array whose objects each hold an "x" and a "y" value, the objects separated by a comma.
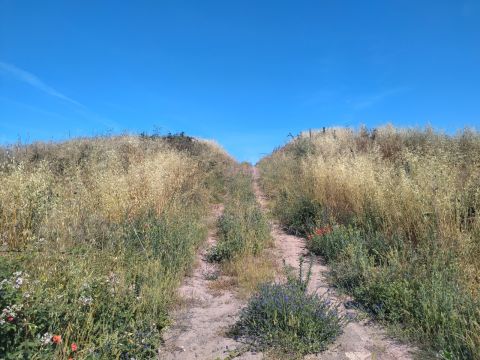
[
  {"x": 96, "y": 235},
  {"x": 395, "y": 213}
]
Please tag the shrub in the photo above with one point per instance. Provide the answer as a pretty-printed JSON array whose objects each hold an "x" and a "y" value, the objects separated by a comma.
[{"x": 289, "y": 319}]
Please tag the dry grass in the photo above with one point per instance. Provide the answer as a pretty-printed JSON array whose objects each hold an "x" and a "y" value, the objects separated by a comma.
[
  {"x": 105, "y": 228},
  {"x": 417, "y": 185},
  {"x": 251, "y": 271}
]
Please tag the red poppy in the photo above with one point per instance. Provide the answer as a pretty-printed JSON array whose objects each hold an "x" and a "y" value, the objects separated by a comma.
[
  {"x": 323, "y": 230},
  {"x": 74, "y": 347},
  {"x": 57, "y": 339}
]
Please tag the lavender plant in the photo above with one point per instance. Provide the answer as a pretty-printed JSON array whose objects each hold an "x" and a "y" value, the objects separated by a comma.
[{"x": 286, "y": 317}]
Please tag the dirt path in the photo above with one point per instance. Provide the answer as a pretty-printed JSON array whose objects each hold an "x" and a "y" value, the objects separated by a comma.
[
  {"x": 198, "y": 331},
  {"x": 360, "y": 339},
  {"x": 199, "y": 327}
]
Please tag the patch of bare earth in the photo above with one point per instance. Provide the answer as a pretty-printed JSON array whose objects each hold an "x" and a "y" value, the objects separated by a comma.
[
  {"x": 361, "y": 339},
  {"x": 210, "y": 307}
]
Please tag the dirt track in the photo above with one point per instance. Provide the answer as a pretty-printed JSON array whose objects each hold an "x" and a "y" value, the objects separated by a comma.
[{"x": 199, "y": 327}]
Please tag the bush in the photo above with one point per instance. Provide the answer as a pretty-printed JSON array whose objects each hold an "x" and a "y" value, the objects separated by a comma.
[{"x": 289, "y": 319}]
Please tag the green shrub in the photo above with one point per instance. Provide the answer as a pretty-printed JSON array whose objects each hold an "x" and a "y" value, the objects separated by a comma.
[
  {"x": 289, "y": 319},
  {"x": 425, "y": 294}
]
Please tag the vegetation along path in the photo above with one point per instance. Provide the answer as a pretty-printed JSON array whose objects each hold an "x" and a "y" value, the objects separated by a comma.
[
  {"x": 360, "y": 339},
  {"x": 200, "y": 325}
]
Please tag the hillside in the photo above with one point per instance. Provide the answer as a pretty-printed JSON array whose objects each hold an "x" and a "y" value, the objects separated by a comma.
[
  {"x": 96, "y": 235},
  {"x": 340, "y": 244},
  {"x": 394, "y": 212}
]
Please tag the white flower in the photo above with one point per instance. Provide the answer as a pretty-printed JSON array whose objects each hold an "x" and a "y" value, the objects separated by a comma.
[
  {"x": 18, "y": 282},
  {"x": 3, "y": 282},
  {"x": 46, "y": 338},
  {"x": 85, "y": 300}
]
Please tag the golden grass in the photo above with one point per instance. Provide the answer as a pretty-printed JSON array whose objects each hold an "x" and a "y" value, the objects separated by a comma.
[
  {"x": 250, "y": 271},
  {"x": 420, "y": 185},
  {"x": 115, "y": 220}
]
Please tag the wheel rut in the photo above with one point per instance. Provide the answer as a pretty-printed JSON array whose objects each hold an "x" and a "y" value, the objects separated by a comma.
[
  {"x": 199, "y": 326},
  {"x": 361, "y": 339}
]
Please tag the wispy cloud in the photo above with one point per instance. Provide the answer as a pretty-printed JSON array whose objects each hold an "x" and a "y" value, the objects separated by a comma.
[
  {"x": 373, "y": 99},
  {"x": 34, "y": 81}
]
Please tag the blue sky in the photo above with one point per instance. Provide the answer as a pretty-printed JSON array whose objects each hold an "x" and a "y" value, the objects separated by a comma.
[{"x": 245, "y": 73}]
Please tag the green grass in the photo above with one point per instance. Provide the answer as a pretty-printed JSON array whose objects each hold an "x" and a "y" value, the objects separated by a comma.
[{"x": 242, "y": 228}]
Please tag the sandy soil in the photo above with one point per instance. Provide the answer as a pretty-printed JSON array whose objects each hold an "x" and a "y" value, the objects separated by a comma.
[{"x": 199, "y": 327}]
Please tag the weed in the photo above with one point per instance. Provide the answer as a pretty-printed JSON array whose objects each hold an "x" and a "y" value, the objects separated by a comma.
[{"x": 243, "y": 228}]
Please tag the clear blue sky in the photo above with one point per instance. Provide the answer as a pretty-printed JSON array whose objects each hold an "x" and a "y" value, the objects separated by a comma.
[{"x": 245, "y": 73}]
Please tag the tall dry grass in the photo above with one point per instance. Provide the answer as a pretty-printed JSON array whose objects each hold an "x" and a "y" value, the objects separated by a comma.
[
  {"x": 98, "y": 233},
  {"x": 415, "y": 197}
]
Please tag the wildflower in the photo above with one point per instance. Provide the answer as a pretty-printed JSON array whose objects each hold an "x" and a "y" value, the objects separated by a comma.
[
  {"x": 3, "y": 282},
  {"x": 46, "y": 338},
  {"x": 57, "y": 339},
  {"x": 10, "y": 319},
  {"x": 322, "y": 230},
  {"x": 74, "y": 347},
  {"x": 18, "y": 282},
  {"x": 85, "y": 300}
]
